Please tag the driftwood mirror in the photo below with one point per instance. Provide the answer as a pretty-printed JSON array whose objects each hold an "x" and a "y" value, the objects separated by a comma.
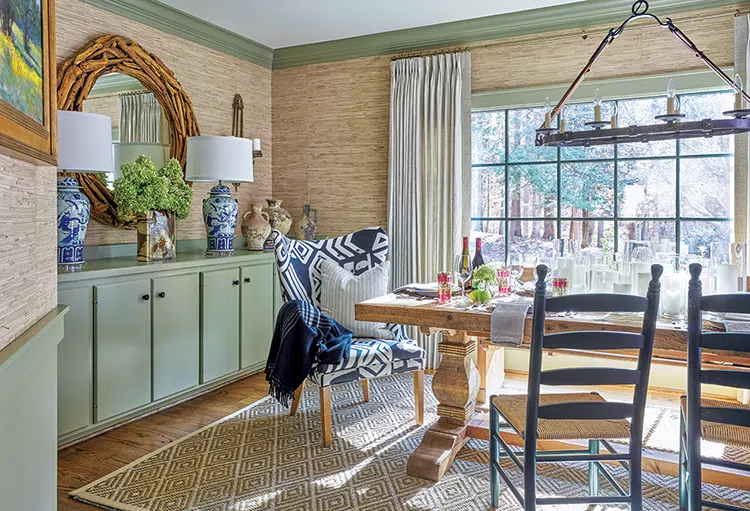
[{"x": 117, "y": 55}]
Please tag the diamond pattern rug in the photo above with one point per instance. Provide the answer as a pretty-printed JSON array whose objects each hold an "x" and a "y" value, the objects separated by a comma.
[{"x": 261, "y": 458}]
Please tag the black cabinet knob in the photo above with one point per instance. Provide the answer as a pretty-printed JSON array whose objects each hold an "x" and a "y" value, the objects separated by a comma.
[
  {"x": 146, "y": 297},
  {"x": 236, "y": 283},
  {"x": 247, "y": 280},
  {"x": 162, "y": 294}
]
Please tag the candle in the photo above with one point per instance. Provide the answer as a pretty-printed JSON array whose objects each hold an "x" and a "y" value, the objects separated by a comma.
[
  {"x": 577, "y": 289},
  {"x": 563, "y": 119},
  {"x": 547, "y": 113},
  {"x": 565, "y": 266},
  {"x": 579, "y": 274},
  {"x": 613, "y": 118},
  {"x": 738, "y": 87},
  {"x": 671, "y": 93},
  {"x": 256, "y": 144},
  {"x": 623, "y": 288},
  {"x": 643, "y": 280},
  {"x": 671, "y": 303},
  {"x": 598, "y": 106},
  {"x": 726, "y": 278}
]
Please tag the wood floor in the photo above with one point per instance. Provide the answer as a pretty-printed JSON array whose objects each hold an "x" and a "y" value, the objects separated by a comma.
[{"x": 88, "y": 461}]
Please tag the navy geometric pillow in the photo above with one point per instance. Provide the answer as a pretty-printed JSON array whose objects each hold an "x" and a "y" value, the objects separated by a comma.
[{"x": 299, "y": 260}]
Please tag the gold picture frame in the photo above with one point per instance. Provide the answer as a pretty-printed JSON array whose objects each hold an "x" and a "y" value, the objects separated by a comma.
[{"x": 30, "y": 136}]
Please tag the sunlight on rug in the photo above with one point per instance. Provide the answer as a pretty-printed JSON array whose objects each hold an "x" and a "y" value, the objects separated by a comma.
[{"x": 260, "y": 458}]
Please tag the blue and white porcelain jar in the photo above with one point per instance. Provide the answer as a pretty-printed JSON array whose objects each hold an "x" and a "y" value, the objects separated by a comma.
[
  {"x": 220, "y": 216},
  {"x": 73, "y": 211}
]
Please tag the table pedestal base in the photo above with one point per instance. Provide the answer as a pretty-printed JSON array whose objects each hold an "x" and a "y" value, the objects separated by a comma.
[
  {"x": 436, "y": 453},
  {"x": 455, "y": 385}
]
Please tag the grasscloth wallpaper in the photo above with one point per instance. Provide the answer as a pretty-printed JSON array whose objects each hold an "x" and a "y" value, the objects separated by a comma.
[
  {"x": 330, "y": 121},
  {"x": 330, "y": 130},
  {"x": 210, "y": 78},
  {"x": 28, "y": 237}
]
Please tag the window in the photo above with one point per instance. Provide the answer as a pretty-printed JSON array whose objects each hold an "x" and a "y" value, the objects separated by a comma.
[{"x": 676, "y": 193}]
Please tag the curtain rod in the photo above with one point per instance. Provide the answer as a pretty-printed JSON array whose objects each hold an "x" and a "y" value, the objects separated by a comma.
[{"x": 428, "y": 53}]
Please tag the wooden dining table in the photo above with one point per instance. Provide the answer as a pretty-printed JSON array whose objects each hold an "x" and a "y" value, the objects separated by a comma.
[{"x": 456, "y": 381}]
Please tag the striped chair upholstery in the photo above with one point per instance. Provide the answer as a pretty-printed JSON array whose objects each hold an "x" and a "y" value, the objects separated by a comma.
[{"x": 299, "y": 269}]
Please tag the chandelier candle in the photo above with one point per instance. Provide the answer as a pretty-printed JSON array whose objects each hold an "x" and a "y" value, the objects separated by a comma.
[
  {"x": 598, "y": 106},
  {"x": 738, "y": 87},
  {"x": 671, "y": 94}
]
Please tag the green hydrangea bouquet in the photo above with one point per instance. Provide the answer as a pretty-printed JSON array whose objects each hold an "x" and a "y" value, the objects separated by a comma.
[{"x": 143, "y": 188}]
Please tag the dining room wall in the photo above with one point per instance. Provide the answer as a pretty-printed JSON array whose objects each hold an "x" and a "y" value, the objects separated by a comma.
[
  {"x": 330, "y": 121},
  {"x": 209, "y": 77}
]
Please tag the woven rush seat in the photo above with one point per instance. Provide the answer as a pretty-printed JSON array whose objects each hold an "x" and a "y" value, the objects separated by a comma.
[
  {"x": 513, "y": 408},
  {"x": 736, "y": 436}
]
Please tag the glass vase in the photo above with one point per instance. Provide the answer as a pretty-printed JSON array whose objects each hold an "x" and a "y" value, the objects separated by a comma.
[{"x": 156, "y": 236}]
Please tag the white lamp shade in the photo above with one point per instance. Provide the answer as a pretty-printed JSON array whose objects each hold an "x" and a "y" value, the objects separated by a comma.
[
  {"x": 84, "y": 142},
  {"x": 129, "y": 152},
  {"x": 211, "y": 158}
]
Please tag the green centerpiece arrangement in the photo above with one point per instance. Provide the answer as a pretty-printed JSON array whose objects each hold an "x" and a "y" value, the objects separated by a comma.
[
  {"x": 484, "y": 278},
  {"x": 156, "y": 197}
]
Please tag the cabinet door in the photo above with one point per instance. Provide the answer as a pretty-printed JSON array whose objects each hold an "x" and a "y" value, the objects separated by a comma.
[
  {"x": 176, "y": 332},
  {"x": 257, "y": 314},
  {"x": 123, "y": 347},
  {"x": 75, "y": 361},
  {"x": 220, "y": 332}
]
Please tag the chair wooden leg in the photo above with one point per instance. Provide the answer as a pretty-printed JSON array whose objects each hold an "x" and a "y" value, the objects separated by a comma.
[
  {"x": 682, "y": 480},
  {"x": 297, "y": 399},
  {"x": 593, "y": 470},
  {"x": 325, "y": 414},
  {"x": 419, "y": 397},
  {"x": 366, "y": 390}
]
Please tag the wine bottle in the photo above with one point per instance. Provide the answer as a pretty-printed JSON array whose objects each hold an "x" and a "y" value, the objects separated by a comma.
[
  {"x": 478, "y": 259},
  {"x": 466, "y": 263}
]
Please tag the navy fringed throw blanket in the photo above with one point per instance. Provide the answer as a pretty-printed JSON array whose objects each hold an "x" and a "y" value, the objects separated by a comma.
[{"x": 303, "y": 336}]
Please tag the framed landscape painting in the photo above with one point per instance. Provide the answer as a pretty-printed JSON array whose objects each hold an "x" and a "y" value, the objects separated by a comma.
[{"x": 28, "y": 99}]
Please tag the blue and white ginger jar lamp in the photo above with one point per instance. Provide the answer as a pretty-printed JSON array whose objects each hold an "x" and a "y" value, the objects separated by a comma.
[
  {"x": 84, "y": 145},
  {"x": 213, "y": 158}
]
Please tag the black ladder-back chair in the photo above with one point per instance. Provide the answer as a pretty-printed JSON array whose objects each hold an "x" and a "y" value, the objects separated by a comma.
[
  {"x": 714, "y": 420},
  {"x": 578, "y": 416}
]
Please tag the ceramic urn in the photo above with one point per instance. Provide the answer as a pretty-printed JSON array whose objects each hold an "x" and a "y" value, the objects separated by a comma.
[
  {"x": 220, "y": 216},
  {"x": 256, "y": 227},
  {"x": 278, "y": 217}
]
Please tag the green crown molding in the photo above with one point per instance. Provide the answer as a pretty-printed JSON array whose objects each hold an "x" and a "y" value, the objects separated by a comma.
[
  {"x": 582, "y": 14},
  {"x": 172, "y": 21},
  {"x": 586, "y": 13}
]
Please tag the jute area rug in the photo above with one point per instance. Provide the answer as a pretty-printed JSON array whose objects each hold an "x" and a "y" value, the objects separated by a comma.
[{"x": 261, "y": 458}]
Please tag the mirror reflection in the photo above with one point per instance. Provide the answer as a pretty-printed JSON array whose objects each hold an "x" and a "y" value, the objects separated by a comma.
[{"x": 139, "y": 125}]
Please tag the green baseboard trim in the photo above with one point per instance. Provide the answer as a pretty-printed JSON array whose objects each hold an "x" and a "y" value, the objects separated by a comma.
[
  {"x": 157, "y": 406},
  {"x": 91, "y": 252},
  {"x": 588, "y": 13},
  {"x": 175, "y": 22}
]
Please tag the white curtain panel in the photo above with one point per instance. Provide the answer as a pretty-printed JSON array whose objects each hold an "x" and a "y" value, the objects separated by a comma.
[
  {"x": 429, "y": 163},
  {"x": 141, "y": 119}
]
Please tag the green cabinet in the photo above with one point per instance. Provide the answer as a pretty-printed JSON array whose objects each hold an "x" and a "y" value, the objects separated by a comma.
[
  {"x": 258, "y": 314},
  {"x": 140, "y": 337},
  {"x": 75, "y": 361},
  {"x": 220, "y": 323},
  {"x": 176, "y": 339},
  {"x": 122, "y": 319}
]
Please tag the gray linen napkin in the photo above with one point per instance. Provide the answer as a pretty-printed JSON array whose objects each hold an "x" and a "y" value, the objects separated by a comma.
[{"x": 507, "y": 323}]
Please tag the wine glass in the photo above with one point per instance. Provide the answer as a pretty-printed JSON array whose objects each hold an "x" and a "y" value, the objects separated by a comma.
[
  {"x": 464, "y": 272},
  {"x": 515, "y": 263}
]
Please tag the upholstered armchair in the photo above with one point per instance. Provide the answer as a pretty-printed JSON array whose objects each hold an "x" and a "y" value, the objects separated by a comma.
[{"x": 299, "y": 270}]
